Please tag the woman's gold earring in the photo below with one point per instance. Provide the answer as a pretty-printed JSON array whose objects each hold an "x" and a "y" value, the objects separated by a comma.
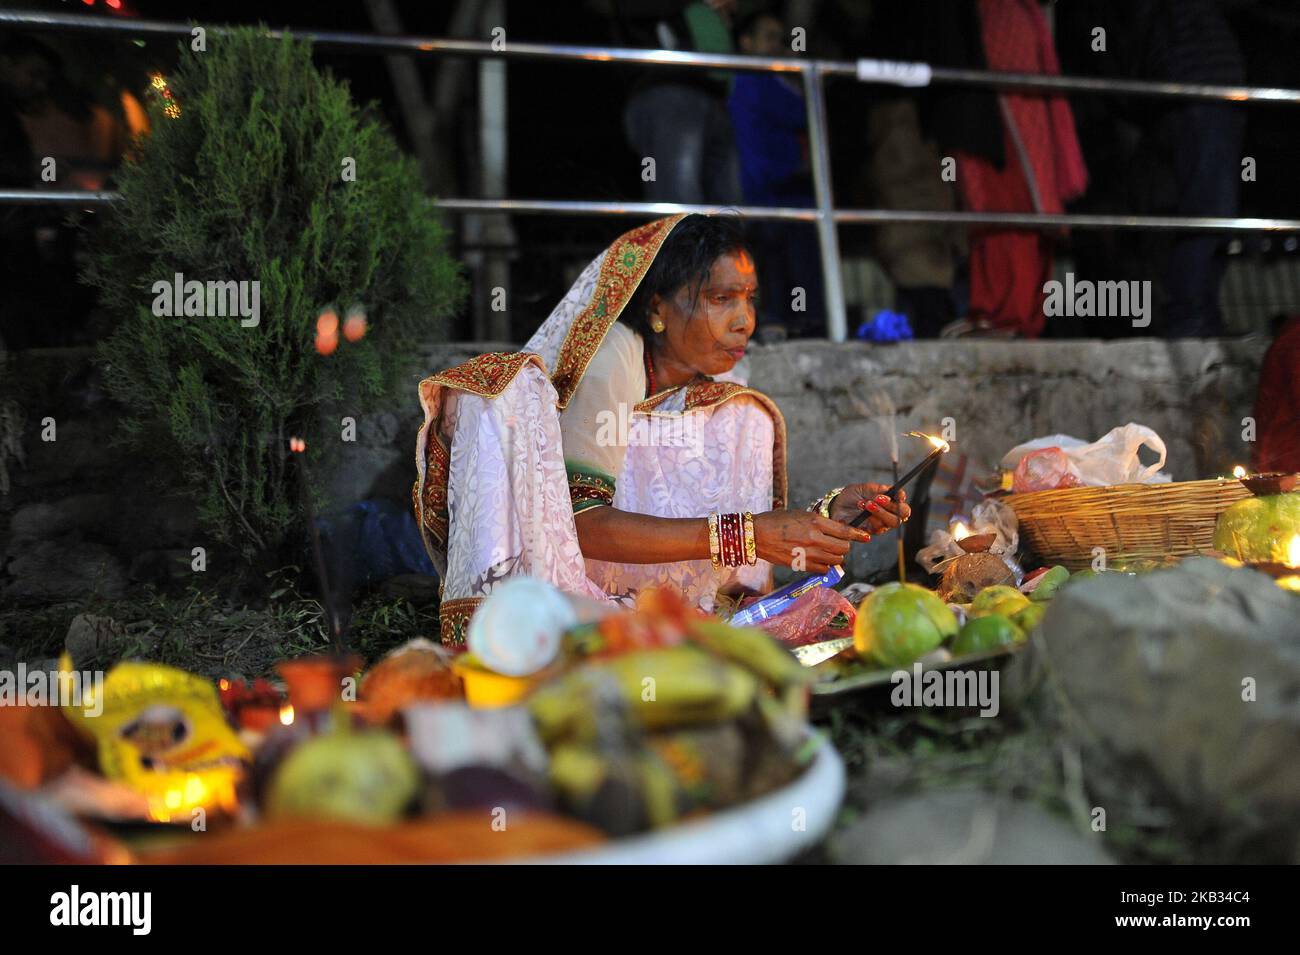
[{"x": 657, "y": 325}]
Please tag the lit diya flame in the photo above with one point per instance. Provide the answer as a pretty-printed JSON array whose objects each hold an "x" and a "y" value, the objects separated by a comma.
[
  {"x": 1293, "y": 551},
  {"x": 1239, "y": 472},
  {"x": 286, "y": 714},
  {"x": 960, "y": 530}
]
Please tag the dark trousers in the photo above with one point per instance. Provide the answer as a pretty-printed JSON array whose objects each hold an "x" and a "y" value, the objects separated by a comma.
[
  {"x": 1206, "y": 141},
  {"x": 688, "y": 134}
]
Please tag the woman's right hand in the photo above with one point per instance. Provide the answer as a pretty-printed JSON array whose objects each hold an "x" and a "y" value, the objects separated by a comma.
[{"x": 804, "y": 540}]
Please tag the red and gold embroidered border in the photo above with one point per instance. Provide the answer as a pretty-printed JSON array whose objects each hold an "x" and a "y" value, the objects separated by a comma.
[
  {"x": 586, "y": 493},
  {"x": 706, "y": 394},
  {"x": 622, "y": 270},
  {"x": 487, "y": 375},
  {"x": 453, "y": 620},
  {"x": 436, "y": 472}
]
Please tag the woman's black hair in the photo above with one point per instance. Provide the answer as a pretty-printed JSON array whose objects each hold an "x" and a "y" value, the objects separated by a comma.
[{"x": 685, "y": 259}]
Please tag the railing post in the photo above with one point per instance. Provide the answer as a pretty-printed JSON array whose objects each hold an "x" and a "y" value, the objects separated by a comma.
[{"x": 827, "y": 238}]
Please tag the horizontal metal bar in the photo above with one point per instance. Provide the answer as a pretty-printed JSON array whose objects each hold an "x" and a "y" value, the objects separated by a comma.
[
  {"x": 582, "y": 207},
  {"x": 1029, "y": 82},
  {"x": 565, "y": 207},
  {"x": 1031, "y": 220},
  {"x": 54, "y": 197}
]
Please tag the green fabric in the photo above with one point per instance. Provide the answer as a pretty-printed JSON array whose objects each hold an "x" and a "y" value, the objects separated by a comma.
[
  {"x": 584, "y": 476},
  {"x": 709, "y": 34}
]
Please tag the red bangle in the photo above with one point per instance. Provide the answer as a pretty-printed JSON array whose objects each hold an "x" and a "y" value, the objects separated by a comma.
[{"x": 731, "y": 532}]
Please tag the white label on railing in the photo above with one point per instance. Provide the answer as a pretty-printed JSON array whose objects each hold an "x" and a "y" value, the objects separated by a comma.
[{"x": 892, "y": 71}]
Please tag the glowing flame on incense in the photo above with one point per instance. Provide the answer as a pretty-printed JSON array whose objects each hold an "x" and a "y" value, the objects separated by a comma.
[
  {"x": 939, "y": 443},
  {"x": 940, "y": 447}
]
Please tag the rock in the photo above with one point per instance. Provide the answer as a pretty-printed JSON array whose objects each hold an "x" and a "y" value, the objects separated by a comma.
[
  {"x": 969, "y": 827},
  {"x": 47, "y": 521},
  {"x": 90, "y": 636},
  {"x": 1189, "y": 680},
  {"x": 417, "y": 588},
  {"x": 161, "y": 566},
  {"x": 55, "y": 570}
]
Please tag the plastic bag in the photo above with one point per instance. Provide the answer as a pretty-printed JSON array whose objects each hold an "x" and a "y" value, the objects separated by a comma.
[
  {"x": 1044, "y": 470},
  {"x": 1113, "y": 459},
  {"x": 820, "y": 614}
]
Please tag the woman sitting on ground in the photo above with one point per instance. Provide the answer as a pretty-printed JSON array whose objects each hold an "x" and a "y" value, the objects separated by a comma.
[{"x": 616, "y": 452}]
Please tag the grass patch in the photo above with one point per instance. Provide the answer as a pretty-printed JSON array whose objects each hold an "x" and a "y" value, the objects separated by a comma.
[{"x": 202, "y": 631}]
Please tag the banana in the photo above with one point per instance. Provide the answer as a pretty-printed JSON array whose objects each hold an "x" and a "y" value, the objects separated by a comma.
[
  {"x": 676, "y": 686},
  {"x": 753, "y": 649}
]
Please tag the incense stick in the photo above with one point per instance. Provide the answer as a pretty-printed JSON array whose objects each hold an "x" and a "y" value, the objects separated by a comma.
[
  {"x": 902, "y": 570},
  {"x": 902, "y": 482}
]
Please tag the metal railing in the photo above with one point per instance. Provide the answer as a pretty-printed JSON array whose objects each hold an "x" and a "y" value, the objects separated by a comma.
[{"x": 812, "y": 70}]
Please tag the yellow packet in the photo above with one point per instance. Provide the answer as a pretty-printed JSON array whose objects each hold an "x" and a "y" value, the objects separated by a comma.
[{"x": 162, "y": 732}]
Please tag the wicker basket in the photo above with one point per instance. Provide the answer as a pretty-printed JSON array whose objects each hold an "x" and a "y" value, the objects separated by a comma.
[{"x": 1131, "y": 521}]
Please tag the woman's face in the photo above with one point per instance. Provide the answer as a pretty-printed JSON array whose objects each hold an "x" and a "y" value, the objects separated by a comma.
[{"x": 708, "y": 335}]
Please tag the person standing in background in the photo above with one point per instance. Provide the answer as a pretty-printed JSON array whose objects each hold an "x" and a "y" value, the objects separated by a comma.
[
  {"x": 1043, "y": 170},
  {"x": 1277, "y": 401},
  {"x": 679, "y": 118},
  {"x": 771, "y": 124},
  {"x": 1189, "y": 41}
]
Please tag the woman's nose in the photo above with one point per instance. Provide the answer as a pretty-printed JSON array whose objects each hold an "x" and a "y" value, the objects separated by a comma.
[{"x": 748, "y": 319}]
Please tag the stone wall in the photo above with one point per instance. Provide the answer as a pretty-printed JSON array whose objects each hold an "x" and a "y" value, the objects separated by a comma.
[{"x": 1193, "y": 393}]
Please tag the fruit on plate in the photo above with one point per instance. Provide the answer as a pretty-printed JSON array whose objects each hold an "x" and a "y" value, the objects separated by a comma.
[
  {"x": 1048, "y": 584},
  {"x": 753, "y": 649},
  {"x": 900, "y": 623},
  {"x": 1259, "y": 528},
  {"x": 675, "y": 686},
  {"x": 1027, "y": 618},
  {"x": 999, "y": 599},
  {"x": 985, "y": 633},
  {"x": 363, "y": 776}
]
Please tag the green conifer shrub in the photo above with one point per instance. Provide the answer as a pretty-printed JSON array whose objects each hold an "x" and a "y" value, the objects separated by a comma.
[{"x": 246, "y": 183}]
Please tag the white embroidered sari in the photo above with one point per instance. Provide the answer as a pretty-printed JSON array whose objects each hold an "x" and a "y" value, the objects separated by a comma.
[{"x": 495, "y": 497}]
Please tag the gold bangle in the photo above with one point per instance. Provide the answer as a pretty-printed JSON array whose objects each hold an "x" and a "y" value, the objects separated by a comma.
[
  {"x": 827, "y": 500},
  {"x": 715, "y": 549},
  {"x": 751, "y": 546}
]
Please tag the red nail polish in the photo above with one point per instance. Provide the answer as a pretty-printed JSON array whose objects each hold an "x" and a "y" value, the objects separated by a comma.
[
  {"x": 861, "y": 504},
  {"x": 873, "y": 507},
  {"x": 882, "y": 498}
]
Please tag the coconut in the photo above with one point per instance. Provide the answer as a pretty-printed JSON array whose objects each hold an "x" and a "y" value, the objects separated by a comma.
[{"x": 967, "y": 575}]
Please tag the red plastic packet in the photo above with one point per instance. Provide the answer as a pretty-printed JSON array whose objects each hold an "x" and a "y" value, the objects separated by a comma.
[
  {"x": 820, "y": 614},
  {"x": 1044, "y": 470}
]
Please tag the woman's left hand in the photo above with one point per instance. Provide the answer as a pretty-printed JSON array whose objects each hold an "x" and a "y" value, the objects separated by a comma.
[{"x": 885, "y": 513}]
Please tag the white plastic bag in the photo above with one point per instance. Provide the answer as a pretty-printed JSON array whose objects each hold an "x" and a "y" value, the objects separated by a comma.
[{"x": 1111, "y": 460}]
